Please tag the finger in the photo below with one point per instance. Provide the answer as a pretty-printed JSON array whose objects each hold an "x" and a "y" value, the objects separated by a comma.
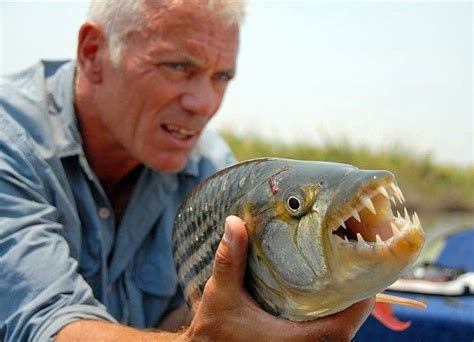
[
  {"x": 349, "y": 321},
  {"x": 231, "y": 255},
  {"x": 358, "y": 313}
]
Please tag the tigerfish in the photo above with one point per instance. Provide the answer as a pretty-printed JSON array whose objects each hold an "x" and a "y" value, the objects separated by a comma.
[{"x": 322, "y": 235}]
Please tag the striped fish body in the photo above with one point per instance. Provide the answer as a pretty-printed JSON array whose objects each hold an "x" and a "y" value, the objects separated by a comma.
[{"x": 309, "y": 255}]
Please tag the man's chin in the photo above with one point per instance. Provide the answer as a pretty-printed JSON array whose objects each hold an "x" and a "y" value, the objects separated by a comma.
[{"x": 169, "y": 164}]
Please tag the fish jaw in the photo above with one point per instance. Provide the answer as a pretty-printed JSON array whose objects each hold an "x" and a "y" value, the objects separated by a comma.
[
  {"x": 370, "y": 246},
  {"x": 366, "y": 248}
]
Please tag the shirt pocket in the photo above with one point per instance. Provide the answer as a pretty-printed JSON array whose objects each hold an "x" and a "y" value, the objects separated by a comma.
[{"x": 155, "y": 273}]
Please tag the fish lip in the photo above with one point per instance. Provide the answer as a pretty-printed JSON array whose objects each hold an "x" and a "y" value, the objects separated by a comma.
[{"x": 367, "y": 220}]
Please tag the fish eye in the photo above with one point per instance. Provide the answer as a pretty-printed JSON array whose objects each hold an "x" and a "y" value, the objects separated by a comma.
[{"x": 294, "y": 204}]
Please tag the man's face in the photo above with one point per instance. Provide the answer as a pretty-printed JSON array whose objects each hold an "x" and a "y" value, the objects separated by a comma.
[{"x": 170, "y": 81}]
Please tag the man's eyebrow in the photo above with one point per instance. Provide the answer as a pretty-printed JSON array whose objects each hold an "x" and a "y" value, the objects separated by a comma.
[
  {"x": 187, "y": 59},
  {"x": 230, "y": 71},
  {"x": 190, "y": 59},
  {"x": 177, "y": 56}
]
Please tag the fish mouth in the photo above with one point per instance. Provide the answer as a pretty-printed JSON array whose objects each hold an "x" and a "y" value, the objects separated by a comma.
[{"x": 368, "y": 221}]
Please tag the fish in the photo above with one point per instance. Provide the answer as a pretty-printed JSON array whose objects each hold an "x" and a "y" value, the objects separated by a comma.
[{"x": 322, "y": 235}]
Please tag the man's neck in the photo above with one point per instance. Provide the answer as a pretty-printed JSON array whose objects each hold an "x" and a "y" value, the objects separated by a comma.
[
  {"x": 110, "y": 161},
  {"x": 115, "y": 167}
]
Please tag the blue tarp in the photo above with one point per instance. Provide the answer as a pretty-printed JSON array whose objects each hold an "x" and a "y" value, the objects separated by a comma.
[{"x": 446, "y": 318}]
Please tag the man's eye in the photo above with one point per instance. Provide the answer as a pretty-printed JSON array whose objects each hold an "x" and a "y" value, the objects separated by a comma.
[
  {"x": 224, "y": 77},
  {"x": 177, "y": 66}
]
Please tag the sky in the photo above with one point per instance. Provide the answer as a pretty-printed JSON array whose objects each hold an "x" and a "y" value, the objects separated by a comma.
[{"x": 379, "y": 74}]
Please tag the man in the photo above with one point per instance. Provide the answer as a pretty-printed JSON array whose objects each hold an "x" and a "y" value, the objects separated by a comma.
[{"x": 96, "y": 156}]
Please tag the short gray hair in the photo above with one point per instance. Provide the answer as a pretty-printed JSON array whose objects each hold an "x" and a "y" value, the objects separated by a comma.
[{"x": 118, "y": 18}]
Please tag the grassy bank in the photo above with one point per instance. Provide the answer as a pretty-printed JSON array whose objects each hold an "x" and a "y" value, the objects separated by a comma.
[{"x": 427, "y": 186}]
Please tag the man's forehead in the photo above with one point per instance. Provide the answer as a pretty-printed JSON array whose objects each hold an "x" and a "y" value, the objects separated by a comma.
[
  {"x": 193, "y": 33},
  {"x": 188, "y": 17}
]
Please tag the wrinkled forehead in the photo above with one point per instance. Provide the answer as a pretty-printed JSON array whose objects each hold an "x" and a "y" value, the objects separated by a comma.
[
  {"x": 178, "y": 19},
  {"x": 192, "y": 25}
]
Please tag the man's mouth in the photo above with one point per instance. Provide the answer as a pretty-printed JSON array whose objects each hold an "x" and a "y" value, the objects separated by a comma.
[{"x": 180, "y": 132}]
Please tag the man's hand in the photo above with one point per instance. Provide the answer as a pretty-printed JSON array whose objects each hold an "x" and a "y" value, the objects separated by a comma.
[{"x": 227, "y": 312}]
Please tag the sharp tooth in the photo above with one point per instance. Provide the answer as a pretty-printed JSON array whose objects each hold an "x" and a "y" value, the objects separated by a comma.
[
  {"x": 360, "y": 239},
  {"x": 396, "y": 192},
  {"x": 395, "y": 230},
  {"x": 341, "y": 222},
  {"x": 407, "y": 217},
  {"x": 393, "y": 200},
  {"x": 399, "y": 216},
  {"x": 356, "y": 215},
  {"x": 397, "y": 195},
  {"x": 378, "y": 239},
  {"x": 400, "y": 193},
  {"x": 394, "y": 188},
  {"x": 368, "y": 203},
  {"x": 384, "y": 192},
  {"x": 345, "y": 238},
  {"x": 416, "y": 220}
]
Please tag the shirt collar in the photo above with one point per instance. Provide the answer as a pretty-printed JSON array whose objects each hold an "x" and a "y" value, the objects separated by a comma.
[{"x": 60, "y": 97}]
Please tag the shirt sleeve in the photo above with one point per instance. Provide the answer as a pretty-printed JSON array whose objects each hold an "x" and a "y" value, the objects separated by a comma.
[{"x": 40, "y": 287}]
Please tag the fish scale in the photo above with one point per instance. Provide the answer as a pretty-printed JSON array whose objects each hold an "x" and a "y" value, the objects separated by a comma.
[{"x": 199, "y": 224}]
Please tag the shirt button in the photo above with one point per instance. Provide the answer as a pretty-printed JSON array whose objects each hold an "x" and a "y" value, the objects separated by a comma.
[
  {"x": 104, "y": 213},
  {"x": 109, "y": 288}
]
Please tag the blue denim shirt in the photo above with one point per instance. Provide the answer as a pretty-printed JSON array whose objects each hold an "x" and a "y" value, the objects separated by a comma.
[{"x": 62, "y": 258}]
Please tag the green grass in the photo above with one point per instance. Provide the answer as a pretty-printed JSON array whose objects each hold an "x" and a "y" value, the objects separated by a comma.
[{"x": 427, "y": 186}]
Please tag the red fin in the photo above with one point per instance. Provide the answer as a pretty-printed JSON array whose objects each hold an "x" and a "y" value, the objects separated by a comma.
[{"x": 384, "y": 314}]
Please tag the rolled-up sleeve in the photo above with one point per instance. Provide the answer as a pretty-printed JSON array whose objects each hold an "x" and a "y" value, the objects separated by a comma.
[{"x": 41, "y": 289}]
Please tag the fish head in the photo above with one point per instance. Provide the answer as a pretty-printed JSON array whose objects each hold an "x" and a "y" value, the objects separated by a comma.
[{"x": 323, "y": 236}]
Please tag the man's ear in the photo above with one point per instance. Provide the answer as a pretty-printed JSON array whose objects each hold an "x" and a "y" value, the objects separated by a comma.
[{"x": 91, "y": 51}]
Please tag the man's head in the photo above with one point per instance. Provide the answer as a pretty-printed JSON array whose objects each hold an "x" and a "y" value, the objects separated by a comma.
[
  {"x": 118, "y": 18},
  {"x": 155, "y": 72}
]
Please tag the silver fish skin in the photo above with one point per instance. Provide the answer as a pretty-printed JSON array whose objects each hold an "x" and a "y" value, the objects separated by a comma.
[{"x": 322, "y": 235}]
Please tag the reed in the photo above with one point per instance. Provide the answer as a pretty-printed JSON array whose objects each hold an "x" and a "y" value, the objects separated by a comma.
[{"x": 428, "y": 186}]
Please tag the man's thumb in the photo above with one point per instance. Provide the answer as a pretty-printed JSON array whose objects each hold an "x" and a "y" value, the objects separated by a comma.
[{"x": 231, "y": 255}]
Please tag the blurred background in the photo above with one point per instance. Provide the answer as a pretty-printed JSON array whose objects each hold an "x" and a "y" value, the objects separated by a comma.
[{"x": 378, "y": 84}]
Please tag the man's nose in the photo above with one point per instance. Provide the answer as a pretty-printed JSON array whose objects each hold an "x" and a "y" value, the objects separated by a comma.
[{"x": 201, "y": 98}]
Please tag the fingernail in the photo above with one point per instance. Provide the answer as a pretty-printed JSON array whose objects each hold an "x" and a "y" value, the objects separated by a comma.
[{"x": 227, "y": 233}]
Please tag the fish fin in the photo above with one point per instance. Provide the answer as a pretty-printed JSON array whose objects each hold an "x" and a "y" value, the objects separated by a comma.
[
  {"x": 390, "y": 299},
  {"x": 384, "y": 314}
]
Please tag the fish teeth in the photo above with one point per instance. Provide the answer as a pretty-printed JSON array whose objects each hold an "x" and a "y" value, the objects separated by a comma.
[
  {"x": 341, "y": 223},
  {"x": 384, "y": 192},
  {"x": 355, "y": 214},
  {"x": 397, "y": 192},
  {"x": 401, "y": 194},
  {"x": 416, "y": 220},
  {"x": 394, "y": 188},
  {"x": 360, "y": 239},
  {"x": 368, "y": 203},
  {"x": 407, "y": 217},
  {"x": 395, "y": 230}
]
